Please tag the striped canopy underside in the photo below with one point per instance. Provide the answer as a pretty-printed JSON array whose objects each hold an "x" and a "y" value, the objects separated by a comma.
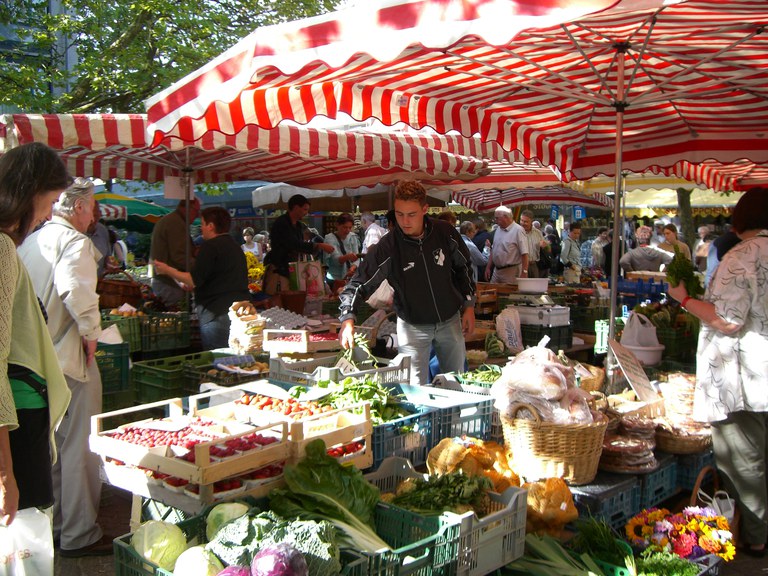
[
  {"x": 547, "y": 83},
  {"x": 114, "y": 146}
]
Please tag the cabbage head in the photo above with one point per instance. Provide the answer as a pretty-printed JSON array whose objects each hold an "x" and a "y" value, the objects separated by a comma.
[
  {"x": 220, "y": 515},
  {"x": 160, "y": 543},
  {"x": 197, "y": 561}
]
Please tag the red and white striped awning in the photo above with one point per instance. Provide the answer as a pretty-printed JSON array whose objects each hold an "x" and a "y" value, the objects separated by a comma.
[
  {"x": 542, "y": 78},
  {"x": 486, "y": 200},
  {"x": 112, "y": 212},
  {"x": 114, "y": 146}
]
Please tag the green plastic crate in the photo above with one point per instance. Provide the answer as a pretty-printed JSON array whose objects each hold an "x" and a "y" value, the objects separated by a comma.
[
  {"x": 481, "y": 545},
  {"x": 116, "y": 400},
  {"x": 128, "y": 326},
  {"x": 583, "y": 318},
  {"x": 112, "y": 360},
  {"x": 165, "y": 331},
  {"x": 165, "y": 377}
]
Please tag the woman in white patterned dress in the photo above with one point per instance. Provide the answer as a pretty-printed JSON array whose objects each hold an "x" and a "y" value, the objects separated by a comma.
[{"x": 732, "y": 365}]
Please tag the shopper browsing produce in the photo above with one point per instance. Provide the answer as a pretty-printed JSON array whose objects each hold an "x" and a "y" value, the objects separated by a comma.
[
  {"x": 427, "y": 264},
  {"x": 732, "y": 367}
]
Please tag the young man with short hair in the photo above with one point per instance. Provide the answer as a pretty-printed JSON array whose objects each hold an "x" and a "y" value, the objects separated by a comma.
[{"x": 428, "y": 265}]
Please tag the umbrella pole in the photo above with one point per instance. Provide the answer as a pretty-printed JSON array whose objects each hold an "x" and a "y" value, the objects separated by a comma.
[
  {"x": 619, "y": 104},
  {"x": 187, "y": 187}
]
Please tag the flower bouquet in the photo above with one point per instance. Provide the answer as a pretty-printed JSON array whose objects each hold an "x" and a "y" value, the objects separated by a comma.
[{"x": 691, "y": 534}]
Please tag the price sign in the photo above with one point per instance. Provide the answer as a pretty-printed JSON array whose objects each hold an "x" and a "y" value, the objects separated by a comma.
[
  {"x": 579, "y": 213},
  {"x": 634, "y": 372},
  {"x": 554, "y": 212}
]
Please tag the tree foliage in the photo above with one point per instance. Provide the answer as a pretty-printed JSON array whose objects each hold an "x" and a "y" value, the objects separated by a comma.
[{"x": 127, "y": 50}]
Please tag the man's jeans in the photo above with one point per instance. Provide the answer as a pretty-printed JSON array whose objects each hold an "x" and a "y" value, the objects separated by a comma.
[{"x": 416, "y": 340}]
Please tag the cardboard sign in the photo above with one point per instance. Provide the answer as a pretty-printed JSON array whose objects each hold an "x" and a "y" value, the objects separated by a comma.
[{"x": 634, "y": 372}]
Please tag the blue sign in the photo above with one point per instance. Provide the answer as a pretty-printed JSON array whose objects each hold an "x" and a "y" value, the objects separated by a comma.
[
  {"x": 554, "y": 212},
  {"x": 579, "y": 213}
]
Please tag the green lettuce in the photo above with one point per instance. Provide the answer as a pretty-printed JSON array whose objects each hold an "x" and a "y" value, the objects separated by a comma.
[{"x": 319, "y": 488}]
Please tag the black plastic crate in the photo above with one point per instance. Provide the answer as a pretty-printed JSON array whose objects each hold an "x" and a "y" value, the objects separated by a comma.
[
  {"x": 689, "y": 466},
  {"x": 560, "y": 337}
]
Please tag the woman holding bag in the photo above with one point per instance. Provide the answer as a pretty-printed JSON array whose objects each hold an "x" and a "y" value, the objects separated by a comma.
[
  {"x": 732, "y": 367},
  {"x": 33, "y": 392}
]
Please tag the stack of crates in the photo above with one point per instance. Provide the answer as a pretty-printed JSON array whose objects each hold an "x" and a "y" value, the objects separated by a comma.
[
  {"x": 657, "y": 486},
  {"x": 613, "y": 498},
  {"x": 165, "y": 378},
  {"x": 164, "y": 331},
  {"x": 113, "y": 363}
]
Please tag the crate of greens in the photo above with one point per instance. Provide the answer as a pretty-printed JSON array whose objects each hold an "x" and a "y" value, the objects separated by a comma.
[{"x": 492, "y": 525}]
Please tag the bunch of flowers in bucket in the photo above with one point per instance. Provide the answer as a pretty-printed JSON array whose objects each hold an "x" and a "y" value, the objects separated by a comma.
[
  {"x": 691, "y": 534},
  {"x": 255, "y": 272}
]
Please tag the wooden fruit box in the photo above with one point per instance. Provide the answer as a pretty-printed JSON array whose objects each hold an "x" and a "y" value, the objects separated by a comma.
[
  {"x": 334, "y": 427},
  {"x": 137, "y": 482},
  {"x": 303, "y": 344},
  {"x": 205, "y": 470}
]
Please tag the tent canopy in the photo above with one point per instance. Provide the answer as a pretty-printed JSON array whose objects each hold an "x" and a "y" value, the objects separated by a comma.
[{"x": 114, "y": 146}]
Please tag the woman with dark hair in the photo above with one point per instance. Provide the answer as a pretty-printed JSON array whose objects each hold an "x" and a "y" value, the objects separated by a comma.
[
  {"x": 33, "y": 393},
  {"x": 732, "y": 366}
]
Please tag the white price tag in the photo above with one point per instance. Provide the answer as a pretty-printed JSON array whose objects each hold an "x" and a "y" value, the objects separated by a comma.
[{"x": 345, "y": 366}]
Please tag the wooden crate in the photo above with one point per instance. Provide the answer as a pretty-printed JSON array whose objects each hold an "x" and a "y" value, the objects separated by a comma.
[{"x": 204, "y": 471}]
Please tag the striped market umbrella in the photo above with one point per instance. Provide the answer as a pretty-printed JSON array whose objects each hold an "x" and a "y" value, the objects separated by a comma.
[
  {"x": 114, "y": 146},
  {"x": 589, "y": 86}
]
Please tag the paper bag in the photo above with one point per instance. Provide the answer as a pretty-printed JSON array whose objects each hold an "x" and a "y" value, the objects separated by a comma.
[{"x": 307, "y": 276}]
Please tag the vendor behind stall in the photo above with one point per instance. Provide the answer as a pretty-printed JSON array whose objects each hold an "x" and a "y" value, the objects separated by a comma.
[
  {"x": 219, "y": 277},
  {"x": 287, "y": 242},
  {"x": 344, "y": 259}
]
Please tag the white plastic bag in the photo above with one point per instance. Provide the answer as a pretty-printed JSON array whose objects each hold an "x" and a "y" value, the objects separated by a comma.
[
  {"x": 720, "y": 502},
  {"x": 26, "y": 546},
  {"x": 382, "y": 297},
  {"x": 639, "y": 331},
  {"x": 508, "y": 329}
]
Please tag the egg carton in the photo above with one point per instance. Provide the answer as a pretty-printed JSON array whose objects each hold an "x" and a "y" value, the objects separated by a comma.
[{"x": 281, "y": 319}]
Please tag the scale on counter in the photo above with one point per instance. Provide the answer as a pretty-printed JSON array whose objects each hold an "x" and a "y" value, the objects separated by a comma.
[{"x": 523, "y": 299}]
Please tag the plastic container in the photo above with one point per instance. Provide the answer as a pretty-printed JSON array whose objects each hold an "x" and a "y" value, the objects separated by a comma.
[
  {"x": 128, "y": 326},
  {"x": 690, "y": 465},
  {"x": 481, "y": 546},
  {"x": 613, "y": 498},
  {"x": 165, "y": 331},
  {"x": 165, "y": 378},
  {"x": 543, "y": 315},
  {"x": 409, "y": 437},
  {"x": 532, "y": 285},
  {"x": 560, "y": 337},
  {"x": 112, "y": 360},
  {"x": 647, "y": 355},
  {"x": 657, "y": 486},
  {"x": 310, "y": 372}
]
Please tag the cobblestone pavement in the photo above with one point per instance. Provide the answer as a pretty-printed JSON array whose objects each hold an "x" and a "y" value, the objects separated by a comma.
[{"x": 115, "y": 513}]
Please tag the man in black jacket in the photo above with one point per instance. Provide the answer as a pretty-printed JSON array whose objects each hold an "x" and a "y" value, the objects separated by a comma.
[{"x": 428, "y": 265}]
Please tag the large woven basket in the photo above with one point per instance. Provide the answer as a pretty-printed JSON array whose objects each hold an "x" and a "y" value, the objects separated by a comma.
[
  {"x": 114, "y": 293},
  {"x": 545, "y": 450},
  {"x": 673, "y": 444},
  {"x": 594, "y": 383}
]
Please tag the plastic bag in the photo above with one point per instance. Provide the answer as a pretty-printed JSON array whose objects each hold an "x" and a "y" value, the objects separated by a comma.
[
  {"x": 508, "y": 329},
  {"x": 720, "y": 502},
  {"x": 26, "y": 546},
  {"x": 639, "y": 331},
  {"x": 382, "y": 297}
]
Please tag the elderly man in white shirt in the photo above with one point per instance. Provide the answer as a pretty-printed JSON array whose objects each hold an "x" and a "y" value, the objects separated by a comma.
[
  {"x": 535, "y": 241},
  {"x": 509, "y": 253},
  {"x": 373, "y": 232},
  {"x": 61, "y": 261}
]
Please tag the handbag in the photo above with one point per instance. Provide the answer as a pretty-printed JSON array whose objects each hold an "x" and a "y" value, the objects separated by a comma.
[{"x": 26, "y": 546}]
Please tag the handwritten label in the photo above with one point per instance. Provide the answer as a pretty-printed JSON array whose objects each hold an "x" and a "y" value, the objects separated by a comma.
[
  {"x": 345, "y": 366},
  {"x": 634, "y": 372}
]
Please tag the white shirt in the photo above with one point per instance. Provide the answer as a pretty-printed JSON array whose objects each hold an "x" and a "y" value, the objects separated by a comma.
[
  {"x": 62, "y": 264},
  {"x": 732, "y": 371},
  {"x": 373, "y": 234},
  {"x": 509, "y": 244}
]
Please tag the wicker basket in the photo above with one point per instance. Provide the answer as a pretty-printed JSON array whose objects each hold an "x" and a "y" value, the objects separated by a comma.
[
  {"x": 595, "y": 382},
  {"x": 114, "y": 293},
  {"x": 545, "y": 450},
  {"x": 674, "y": 444}
]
